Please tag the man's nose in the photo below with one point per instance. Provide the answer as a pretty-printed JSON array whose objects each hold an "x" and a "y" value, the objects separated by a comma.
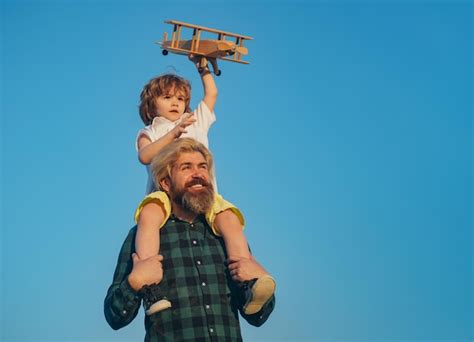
[{"x": 197, "y": 173}]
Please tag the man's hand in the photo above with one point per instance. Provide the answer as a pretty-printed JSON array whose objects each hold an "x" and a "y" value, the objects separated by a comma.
[
  {"x": 145, "y": 272},
  {"x": 186, "y": 120},
  {"x": 242, "y": 269}
]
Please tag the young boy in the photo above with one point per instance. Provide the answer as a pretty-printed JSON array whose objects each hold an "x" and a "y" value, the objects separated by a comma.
[{"x": 165, "y": 111}]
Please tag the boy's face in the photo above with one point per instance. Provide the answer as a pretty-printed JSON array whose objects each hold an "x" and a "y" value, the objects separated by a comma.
[{"x": 171, "y": 105}]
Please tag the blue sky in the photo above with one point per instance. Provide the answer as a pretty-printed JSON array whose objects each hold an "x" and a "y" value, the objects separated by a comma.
[{"x": 347, "y": 143}]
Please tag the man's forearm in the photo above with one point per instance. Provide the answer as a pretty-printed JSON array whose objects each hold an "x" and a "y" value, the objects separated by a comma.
[{"x": 121, "y": 305}]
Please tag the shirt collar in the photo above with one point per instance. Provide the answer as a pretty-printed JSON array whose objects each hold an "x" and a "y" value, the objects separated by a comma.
[{"x": 199, "y": 218}]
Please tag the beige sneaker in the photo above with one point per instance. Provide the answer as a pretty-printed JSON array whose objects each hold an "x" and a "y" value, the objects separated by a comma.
[
  {"x": 160, "y": 305},
  {"x": 257, "y": 292},
  {"x": 153, "y": 302}
]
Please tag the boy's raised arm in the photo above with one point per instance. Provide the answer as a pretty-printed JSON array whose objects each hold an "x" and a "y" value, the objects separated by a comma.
[
  {"x": 208, "y": 83},
  {"x": 210, "y": 89}
]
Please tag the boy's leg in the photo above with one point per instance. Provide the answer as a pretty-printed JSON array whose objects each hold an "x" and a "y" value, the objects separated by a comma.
[
  {"x": 147, "y": 241},
  {"x": 256, "y": 285},
  {"x": 229, "y": 226},
  {"x": 257, "y": 291},
  {"x": 147, "y": 244}
]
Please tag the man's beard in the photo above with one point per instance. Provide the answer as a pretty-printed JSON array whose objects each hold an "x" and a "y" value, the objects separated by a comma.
[{"x": 198, "y": 202}]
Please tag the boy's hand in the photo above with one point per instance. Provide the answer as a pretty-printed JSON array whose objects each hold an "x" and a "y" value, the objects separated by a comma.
[
  {"x": 210, "y": 88},
  {"x": 145, "y": 272},
  {"x": 193, "y": 58},
  {"x": 242, "y": 269},
  {"x": 187, "y": 120},
  {"x": 199, "y": 61}
]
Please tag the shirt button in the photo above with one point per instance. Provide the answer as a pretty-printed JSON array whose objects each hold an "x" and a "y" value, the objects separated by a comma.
[
  {"x": 124, "y": 312},
  {"x": 198, "y": 262},
  {"x": 211, "y": 330},
  {"x": 195, "y": 242},
  {"x": 192, "y": 225},
  {"x": 208, "y": 306},
  {"x": 203, "y": 284}
]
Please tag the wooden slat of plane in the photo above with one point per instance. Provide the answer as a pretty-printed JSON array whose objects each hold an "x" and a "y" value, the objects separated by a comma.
[
  {"x": 180, "y": 23},
  {"x": 186, "y": 52},
  {"x": 208, "y": 48}
]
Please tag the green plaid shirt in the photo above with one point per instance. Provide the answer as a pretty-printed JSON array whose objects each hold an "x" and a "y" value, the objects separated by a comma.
[{"x": 205, "y": 300}]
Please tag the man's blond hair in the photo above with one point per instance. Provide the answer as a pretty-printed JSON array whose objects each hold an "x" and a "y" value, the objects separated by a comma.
[{"x": 164, "y": 160}]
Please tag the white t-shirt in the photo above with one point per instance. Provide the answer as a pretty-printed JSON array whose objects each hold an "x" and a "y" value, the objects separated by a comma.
[{"x": 160, "y": 126}]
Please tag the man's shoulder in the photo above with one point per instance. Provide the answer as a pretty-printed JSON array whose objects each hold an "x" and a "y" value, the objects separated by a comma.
[{"x": 131, "y": 233}]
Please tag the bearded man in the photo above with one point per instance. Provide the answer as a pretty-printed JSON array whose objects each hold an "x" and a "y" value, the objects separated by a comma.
[{"x": 197, "y": 278}]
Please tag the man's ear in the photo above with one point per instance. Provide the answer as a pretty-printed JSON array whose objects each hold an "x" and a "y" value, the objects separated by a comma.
[{"x": 165, "y": 184}]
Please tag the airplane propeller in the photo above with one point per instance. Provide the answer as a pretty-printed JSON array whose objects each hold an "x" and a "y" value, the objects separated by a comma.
[{"x": 232, "y": 48}]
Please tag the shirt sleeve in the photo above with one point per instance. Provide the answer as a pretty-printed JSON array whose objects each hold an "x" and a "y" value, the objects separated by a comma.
[
  {"x": 204, "y": 117},
  {"x": 159, "y": 197},
  {"x": 122, "y": 302},
  {"x": 144, "y": 131}
]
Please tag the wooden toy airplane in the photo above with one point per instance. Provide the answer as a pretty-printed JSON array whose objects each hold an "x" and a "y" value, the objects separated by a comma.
[{"x": 205, "y": 49}]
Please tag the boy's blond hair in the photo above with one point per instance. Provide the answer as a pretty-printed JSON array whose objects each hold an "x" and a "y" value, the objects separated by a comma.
[
  {"x": 167, "y": 157},
  {"x": 162, "y": 85}
]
